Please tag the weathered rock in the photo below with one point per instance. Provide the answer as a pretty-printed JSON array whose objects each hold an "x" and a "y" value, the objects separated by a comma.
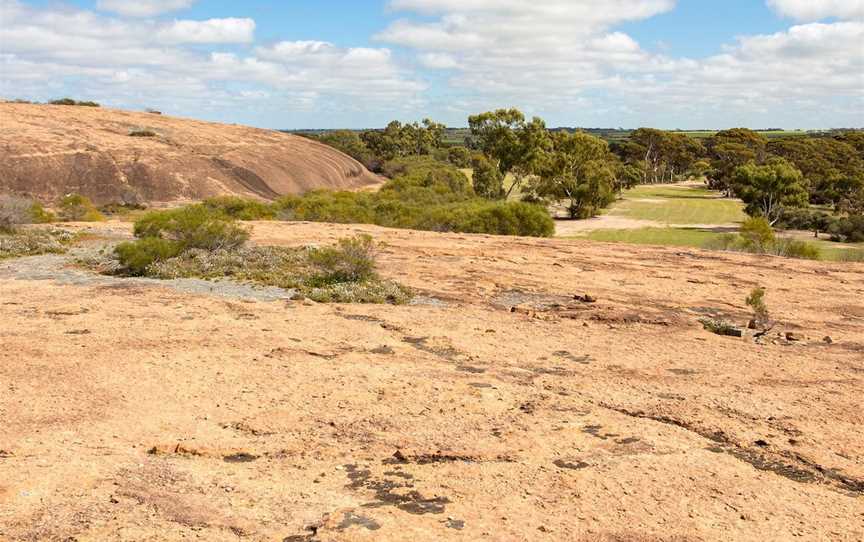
[{"x": 49, "y": 151}]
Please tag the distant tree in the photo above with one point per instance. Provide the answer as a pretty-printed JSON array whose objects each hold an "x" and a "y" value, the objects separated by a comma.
[
  {"x": 769, "y": 189},
  {"x": 662, "y": 156},
  {"x": 488, "y": 180},
  {"x": 349, "y": 142},
  {"x": 511, "y": 142},
  {"x": 729, "y": 149},
  {"x": 833, "y": 168},
  {"x": 579, "y": 169},
  {"x": 398, "y": 140}
]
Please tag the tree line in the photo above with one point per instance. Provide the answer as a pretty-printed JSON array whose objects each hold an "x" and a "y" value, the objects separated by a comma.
[{"x": 811, "y": 181}]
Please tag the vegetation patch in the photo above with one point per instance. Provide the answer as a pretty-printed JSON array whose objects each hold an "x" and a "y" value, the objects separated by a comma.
[
  {"x": 70, "y": 101},
  {"x": 16, "y": 210},
  {"x": 142, "y": 133},
  {"x": 201, "y": 241},
  {"x": 30, "y": 242},
  {"x": 78, "y": 208},
  {"x": 757, "y": 237}
]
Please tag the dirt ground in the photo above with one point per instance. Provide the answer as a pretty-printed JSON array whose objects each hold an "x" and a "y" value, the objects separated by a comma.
[{"x": 497, "y": 408}]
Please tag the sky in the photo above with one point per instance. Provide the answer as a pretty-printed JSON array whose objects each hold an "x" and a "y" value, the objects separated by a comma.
[{"x": 673, "y": 64}]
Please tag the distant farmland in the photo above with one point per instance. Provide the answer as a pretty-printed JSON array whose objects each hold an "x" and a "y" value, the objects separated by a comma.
[{"x": 458, "y": 136}]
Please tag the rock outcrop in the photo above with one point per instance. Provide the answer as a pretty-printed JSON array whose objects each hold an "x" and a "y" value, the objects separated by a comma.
[{"x": 47, "y": 151}]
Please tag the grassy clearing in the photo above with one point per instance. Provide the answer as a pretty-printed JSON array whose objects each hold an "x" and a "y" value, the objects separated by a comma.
[
  {"x": 677, "y": 237},
  {"x": 700, "y": 237},
  {"x": 685, "y": 204}
]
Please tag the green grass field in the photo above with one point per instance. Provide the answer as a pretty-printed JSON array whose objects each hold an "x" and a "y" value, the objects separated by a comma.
[
  {"x": 682, "y": 205},
  {"x": 686, "y": 204}
]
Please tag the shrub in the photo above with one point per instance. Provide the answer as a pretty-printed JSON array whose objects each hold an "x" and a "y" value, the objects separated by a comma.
[
  {"x": 142, "y": 133},
  {"x": 70, "y": 101},
  {"x": 756, "y": 301},
  {"x": 240, "y": 208},
  {"x": 793, "y": 248},
  {"x": 351, "y": 260},
  {"x": 34, "y": 242},
  {"x": 78, "y": 208},
  {"x": 377, "y": 291},
  {"x": 849, "y": 229},
  {"x": 137, "y": 256},
  {"x": 194, "y": 226},
  {"x": 757, "y": 234},
  {"x": 40, "y": 215}
]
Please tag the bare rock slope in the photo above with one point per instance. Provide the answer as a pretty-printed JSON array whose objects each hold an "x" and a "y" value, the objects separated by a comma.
[
  {"x": 501, "y": 407},
  {"x": 47, "y": 151}
]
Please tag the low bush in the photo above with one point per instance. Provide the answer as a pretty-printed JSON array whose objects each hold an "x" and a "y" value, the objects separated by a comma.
[
  {"x": 793, "y": 248},
  {"x": 34, "y": 242},
  {"x": 194, "y": 226},
  {"x": 136, "y": 257},
  {"x": 70, "y": 101},
  {"x": 351, "y": 260},
  {"x": 848, "y": 229},
  {"x": 78, "y": 208},
  {"x": 424, "y": 195},
  {"x": 757, "y": 237},
  {"x": 240, "y": 208},
  {"x": 142, "y": 133}
]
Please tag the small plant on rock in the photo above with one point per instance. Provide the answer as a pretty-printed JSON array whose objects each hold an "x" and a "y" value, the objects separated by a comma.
[{"x": 761, "y": 317}]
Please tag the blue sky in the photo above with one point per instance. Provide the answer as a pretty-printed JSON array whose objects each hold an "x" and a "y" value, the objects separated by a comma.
[{"x": 361, "y": 63}]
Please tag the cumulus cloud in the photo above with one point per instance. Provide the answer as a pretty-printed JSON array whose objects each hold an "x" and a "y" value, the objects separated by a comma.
[
  {"x": 815, "y": 10},
  {"x": 46, "y": 53},
  {"x": 568, "y": 54},
  {"x": 229, "y": 30},
  {"x": 143, "y": 8}
]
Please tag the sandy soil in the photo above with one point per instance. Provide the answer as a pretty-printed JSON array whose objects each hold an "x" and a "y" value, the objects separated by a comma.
[{"x": 505, "y": 410}]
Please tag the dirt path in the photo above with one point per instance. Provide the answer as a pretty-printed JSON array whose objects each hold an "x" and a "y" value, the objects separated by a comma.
[{"x": 141, "y": 412}]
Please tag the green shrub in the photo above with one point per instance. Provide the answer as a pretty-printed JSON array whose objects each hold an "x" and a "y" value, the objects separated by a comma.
[
  {"x": 137, "y": 256},
  {"x": 241, "y": 208},
  {"x": 793, "y": 248},
  {"x": 194, "y": 226},
  {"x": 756, "y": 240},
  {"x": 70, "y": 101},
  {"x": 756, "y": 301},
  {"x": 849, "y": 229},
  {"x": 351, "y": 260},
  {"x": 757, "y": 234},
  {"x": 40, "y": 215},
  {"x": 78, "y": 208}
]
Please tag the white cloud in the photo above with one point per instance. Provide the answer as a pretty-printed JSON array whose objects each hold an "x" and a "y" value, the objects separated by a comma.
[
  {"x": 568, "y": 54},
  {"x": 815, "y": 10},
  {"x": 49, "y": 52},
  {"x": 143, "y": 8},
  {"x": 210, "y": 31}
]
